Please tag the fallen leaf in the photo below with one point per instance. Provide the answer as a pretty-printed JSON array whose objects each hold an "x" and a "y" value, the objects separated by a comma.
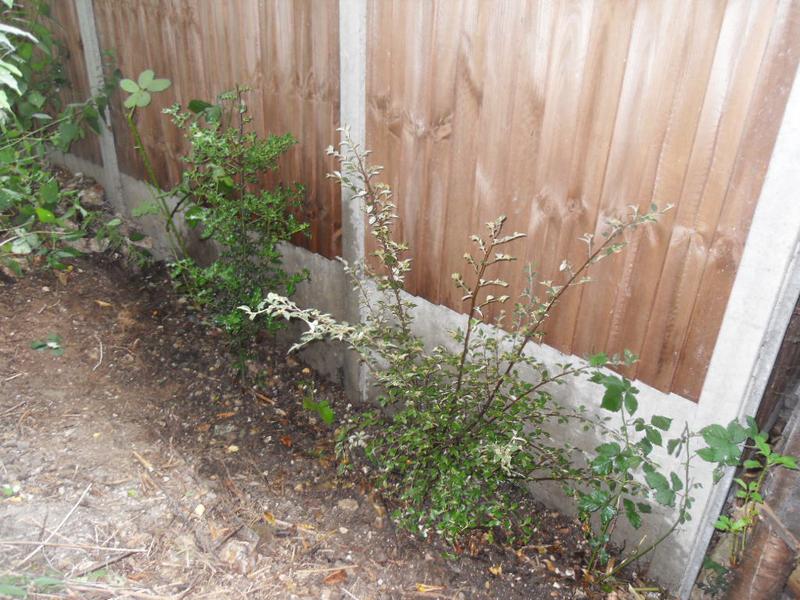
[
  {"x": 103, "y": 304},
  {"x": 339, "y": 576},
  {"x": 550, "y": 566},
  {"x": 424, "y": 588},
  {"x": 203, "y": 427},
  {"x": 306, "y": 371},
  {"x": 496, "y": 570},
  {"x": 226, "y": 415},
  {"x": 286, "y": 441},
  {"x": 269, "y": 517},
  {"x": 232, "y": 448}
]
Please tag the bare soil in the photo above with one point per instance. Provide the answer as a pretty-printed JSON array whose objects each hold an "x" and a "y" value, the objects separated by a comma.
[{"x": 138, "y": 465}]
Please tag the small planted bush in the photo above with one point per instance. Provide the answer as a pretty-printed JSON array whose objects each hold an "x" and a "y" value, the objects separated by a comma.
[
  {"x": 460, "y": 427},
  {"x": 220, "y": 192}
]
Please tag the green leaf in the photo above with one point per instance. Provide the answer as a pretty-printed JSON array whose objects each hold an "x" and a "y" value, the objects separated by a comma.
[
  {"x": 48, "y": 193},
  {"x": 145, "y": 78},
  {"x": 663, "y": 423},
  {"x": 677, "y": 484},
  {"x": 159, "y": 85},
  {"x": 663, "y": 492},
  {"x": 37, "y": 99},
  {"x": 736, "y": 432},
  {"x": 13, "y": 591},
  {"x": 129, "y": 86},
  {"x": 143, "y": 98},
  {"x": 762, "y": 445},
  {"x": 45, "y": 216},
  {"x": 790, "y": 462},
  {"x": 631, "y": 404},
  {"x": 608, "y": 449},
  {"x": 752, "y": 464},
  {"x": 198, "y": 106},
  {"x": 633, "y": 516},
  {"x": 612, "y": 398},
  {"x": 653, "y": 436}
]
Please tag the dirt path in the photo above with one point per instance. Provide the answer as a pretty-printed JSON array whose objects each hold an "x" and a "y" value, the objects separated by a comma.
[{"x": 134, "y": 465}]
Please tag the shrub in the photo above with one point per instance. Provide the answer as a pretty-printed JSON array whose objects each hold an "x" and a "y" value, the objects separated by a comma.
[
  {"x": 220, "y": 192},
  {"x": 39, "y": 222},
  {"x": 460, "y": 429}
]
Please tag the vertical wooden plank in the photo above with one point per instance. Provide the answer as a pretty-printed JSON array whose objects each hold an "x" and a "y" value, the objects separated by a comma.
[
  {"x": 770, "y": 93},
  {"x": 286, "y": 51},
  {"x": 609, "y": 42},
  {"x": 652, "y": 69},
  {"x": 739, "y": 54},
  {"x": 470, "y": 90},
  {"x": 434, "y": 195},
  {"x": 631, "y": 313}
]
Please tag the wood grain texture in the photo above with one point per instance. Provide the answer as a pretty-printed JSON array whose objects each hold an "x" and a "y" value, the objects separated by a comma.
[
  {"x": 67, "y": 31},
  {"x": 287, "y": 51},
  {"x": 562, "y": 113}
]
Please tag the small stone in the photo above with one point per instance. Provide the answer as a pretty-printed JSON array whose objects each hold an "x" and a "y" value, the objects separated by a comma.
[{"x": 347, "y": 504}]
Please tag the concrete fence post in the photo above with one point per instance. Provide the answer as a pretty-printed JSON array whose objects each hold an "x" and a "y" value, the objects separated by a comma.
[
  {"x": 759, "y": 308},
  {"x": 94, "y": 69},
  {"x": 352, "y": 90}
]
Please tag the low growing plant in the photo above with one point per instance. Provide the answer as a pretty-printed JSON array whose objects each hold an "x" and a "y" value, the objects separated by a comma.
[
  {"x": 39, "y": 221},
  {"x": 140, "y": 95},
  {"x": 460, "y": 429},
  {"x": 726, "y": 445},
  {"x": 220, "y": 192}
]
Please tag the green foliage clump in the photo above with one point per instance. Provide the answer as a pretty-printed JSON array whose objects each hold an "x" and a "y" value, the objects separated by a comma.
[
  {"x": 220, "y": 191},
  {"x": 39, "y": 221},
  {"x": 725, "y": 448},
  {"x": 462, "y": 427}
]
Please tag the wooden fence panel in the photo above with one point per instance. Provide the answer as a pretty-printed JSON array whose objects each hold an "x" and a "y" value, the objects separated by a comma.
[
  {"x": 562, "y": 113},
  {"x": 287, "y": 51},
  {"x": 67, "y": 31}
]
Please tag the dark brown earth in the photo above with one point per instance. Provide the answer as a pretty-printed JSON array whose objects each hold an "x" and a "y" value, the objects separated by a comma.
[{"x": 137, "y": 465}]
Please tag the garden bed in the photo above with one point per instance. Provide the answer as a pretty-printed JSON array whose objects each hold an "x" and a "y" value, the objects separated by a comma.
[{"x": 137, "y": 464}]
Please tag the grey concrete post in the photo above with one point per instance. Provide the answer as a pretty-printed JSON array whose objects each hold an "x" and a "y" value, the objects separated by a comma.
[
  {"x": 352, "y": 86},
  {"x": 759, "y": 308},
  {"x": 94, "y": 69}
]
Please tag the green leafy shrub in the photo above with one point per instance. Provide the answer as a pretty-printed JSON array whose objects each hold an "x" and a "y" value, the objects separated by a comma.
[
  {"x": 220, "y": 192},
  {"x": 39, "y": 221},
  {"x": 460, "y": 429},
  {"x": 725, "y": 447}
]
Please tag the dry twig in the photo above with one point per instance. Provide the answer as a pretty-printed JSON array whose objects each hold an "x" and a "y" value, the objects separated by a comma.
[{"x": 59, "y": 526}]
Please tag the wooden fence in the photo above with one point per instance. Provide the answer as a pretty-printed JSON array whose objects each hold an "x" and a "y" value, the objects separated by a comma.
[{"x": 558, "y": 114}]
